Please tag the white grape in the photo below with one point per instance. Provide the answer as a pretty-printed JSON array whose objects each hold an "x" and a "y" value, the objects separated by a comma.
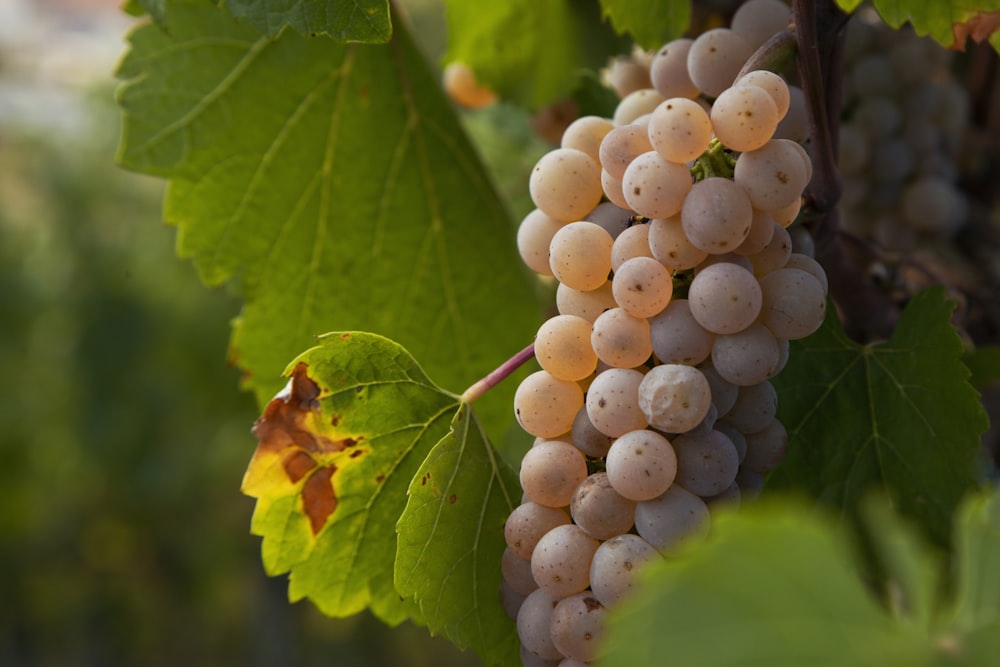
[
  {"x": 654, "y": 187},
  {"x": 773, "y": 84},
  {"x": 757, "y": 20},
  {"x": 635, "y": 104},
  {"x": 534, "y": 235},
  {"x": 641, "y": 464},
  {"x": 612, "y": 402},
  {"x": 577, "y": 626},
  {"x": 760, "y": 234},
  {"x": 746, "y": 357},
  {"x": 642, "y": 286},
  {"x": 633, "y": 242},
  {"x": 725, "y": 298},
  {"x": 545, "y": 406},
  {"x": 744, "y": 117},
  {"x": 534, "y": 624},
  {"x": 706, "y": 462},
  {"x": 580, "y": 255},
  {"x": 793, "y": 303},
  {"x": 527, "y": 523},
  {"x": 715, "y": 58},
  {"x": 755, "y": 407},
  {"x": 551, "y": 471},
  {"x": 560, "y": 562},
  {"x": 674, "y": 398},
  {"x": 586, "y": 133},
  {"x": 679, "y": 130},
  {"x": 668, "y": 72},
  {"x": 670, "y": 245},
  {"x": 676, "y": 336},
  {"x": 773, "y": 176},
  {"x": 724, "y": 393},
  {"x": 775, "y": 253},
  {"x": 620, "y": 339},
  {"x": 615, "y": 566},
  {"x": 585, "y": 304},
  {"x": 565, "y": 184},
  {"x": 517, "y": 572},
  {"x": 671, "y": 518},
  {"x": 587, "y": 438},
  {"x": 562, "y": 347},
  {"x": 599, "y": 510},
  {"x": 716, "y": 215},
  {"x": 622, "y": 145}
]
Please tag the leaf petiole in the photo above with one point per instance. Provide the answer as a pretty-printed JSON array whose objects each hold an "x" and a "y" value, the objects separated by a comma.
[{"x": 495, "y": 377}]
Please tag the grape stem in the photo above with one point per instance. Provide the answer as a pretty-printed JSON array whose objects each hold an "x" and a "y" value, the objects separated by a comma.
[
  {"x": 867, "y": 313},
  {"x": 775, "y": 55},
  {"x": 495, "y": 377}
]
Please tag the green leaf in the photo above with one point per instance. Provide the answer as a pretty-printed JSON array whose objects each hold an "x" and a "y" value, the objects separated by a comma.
[
  {"x": 977, "y": 549},
  {"x": 947, "y": 21},
  {"x": 451, "y": 540},
  {"x": 984, "y": 364},
  {"x": 334, "y": 181},
  {"x": 899, "y": 416},
  {"x": 347, "y": 20},
  {"x": 337, "y": 452},
  {"x": 155, "y": 9},
  {"x": 773, "y": 585},
  {"x": 651, "y": 23},
  {"x": 528, "y": 51}
]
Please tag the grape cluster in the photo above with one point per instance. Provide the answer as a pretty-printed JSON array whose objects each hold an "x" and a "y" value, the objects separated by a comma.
[
  {"x": 665, "y": 227},
  {"x": 901, "y": 135}
]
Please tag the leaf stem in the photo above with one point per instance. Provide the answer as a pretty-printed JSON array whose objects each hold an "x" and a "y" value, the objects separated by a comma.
[{"x": 497, "y": 376}]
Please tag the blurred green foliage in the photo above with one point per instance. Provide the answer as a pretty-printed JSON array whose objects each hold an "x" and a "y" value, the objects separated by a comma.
[{"x": 123, "y": 439}]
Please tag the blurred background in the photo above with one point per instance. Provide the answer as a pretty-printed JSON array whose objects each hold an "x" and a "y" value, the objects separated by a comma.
[{"x": 124, "y": 539}]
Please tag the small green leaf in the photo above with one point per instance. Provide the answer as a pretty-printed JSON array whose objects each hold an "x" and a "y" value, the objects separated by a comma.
[
  {"x": 333, "y": 181},
  {"x": 651, "y": 23},
  {"x": 900, "y": 416},
  {"x": 773, "y": 585},
  {"x": 451, "y": 540},
  {"x": 977, "y": 548},
  {"x": 346, "y": 20},
  {"x": 338, "y": 450}
]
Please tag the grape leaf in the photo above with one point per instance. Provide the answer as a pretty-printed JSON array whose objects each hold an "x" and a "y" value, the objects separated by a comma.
[
  {"x": 348, "y": 20},
  {"x": 333, "y": 180},
  {"x": 977, "y": 548},
  {"x": 773, "y": 585},
  {"x": 899, "y": 415},
  {"x": 451, "y": 540},
  {"x": 528, "y": 51},
  {"x": 338, "y": 449},
  {"x": 155, "y": 9},
  {"x": 650, "y": 22},
  {"x": 949, "y": 22},
  {"x": 984, "y": 364}
]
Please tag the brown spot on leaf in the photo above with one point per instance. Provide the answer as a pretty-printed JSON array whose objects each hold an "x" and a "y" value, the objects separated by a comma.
[
  {"x": 380, "y": 479},
  {"x": 286, "y": 419},
  {"x": 452, "y": 498},
  {"x": 980, "y": 27},
  {"x": 298, "y": 464},
  {"x": 335, "y": 420},
  {"x": 318, "y": 497},
  {"x": 356, "y": 453},
  {"x": 345, "y": 336}
]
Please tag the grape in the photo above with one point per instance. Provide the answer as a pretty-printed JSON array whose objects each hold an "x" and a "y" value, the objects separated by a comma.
[
  {"x": 620, "y": 339},
  {"x": 599, "y": 510},
  {"x": 744, "y": 117},
  {"x": 795, "y": 124},
  {"x": 578, "y": 626},
  {"x": 642, "y": 286},
  {"x": 586, "y": 133},
  {"x": 725, "y": 258},
  {"x": 766, "y": 448},
  {"x": 805, "y": 263},
  {"x": 735, "y": 436},
  {"x": 534, "y": 235},
  {"x": 622, "y": 145},
  {"x": 562, "y": 347},
  {"x": 587, "y": 438},
  {"x": 716, "y": 215},
  {"x": 545, "y": 406},
  {"x": 793, "y": 303},
  {"x": 773, "y": 176},
  {"x": 724, "y": 298},
  {"x": 756, "y": 20},
  {"x": 566, "y": 184},
  {"x": 786, "y": 215},
  {"x": 551, "y": 471},
  {"x": 635, "y": 104},
  {"x": 706, "y": 462},
  {"x": 676, "y": 336},
  {"x": 750, "y": 484},
  {"x": 723, "y": 392},
  {"x": 517, "y": 572},
  {"x": 633, "y": 242},
  {"x": 679, "y": 130},
  {"x": 560, "y": 562},
  {"x": 668, "y": 72},
  {"x": 933, "y": 204},
  {"x": 626, "y": 75},
  {"x": 755, "y": 407},
  {"x": 615, "y": 565},
  {"x": 534, "y": 624},
  {"x": 674, "y": 398},
  {"x": 584, "y": 304},
  {"x": 527, "y": 523},
  {"x": 612, "y": 186},
  {"x": 669, "y": 519},
  {"x": 715, "y": 58},
  {"x": 510, "y": 599},
  {"x": 460, "y": 83},
  {"x": 641, "y": 465},
  {"x": 775, "y": 253},
  {"x": 614, "y": 219},
  {"x": 728, "y": 499},
  {"x": 612, "y": 402},
  {"x": 670, "y": 245},
  {"x": 746, "y": 357},
  {"x": 760, "y": 234},
  {"x": 654, "y": 187},
  {"x": 580, "y": 255},
  {"x": 773, "y": 84}
]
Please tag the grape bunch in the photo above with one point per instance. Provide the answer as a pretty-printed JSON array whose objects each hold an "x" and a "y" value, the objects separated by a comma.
[
  {"x": 665, "y": 227},
  {"x": 901, "y": 137}
]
